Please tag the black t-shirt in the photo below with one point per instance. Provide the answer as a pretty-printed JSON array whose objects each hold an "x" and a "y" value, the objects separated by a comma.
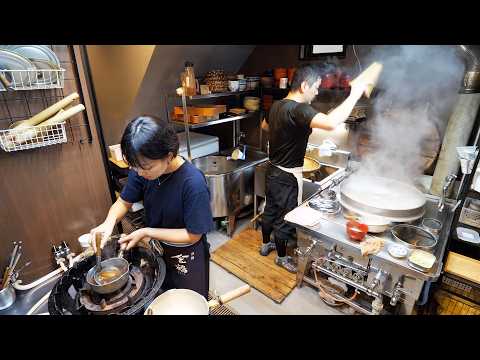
[
  {"x": 289, "y": 129},
  {"x": 181, "y": 201}
]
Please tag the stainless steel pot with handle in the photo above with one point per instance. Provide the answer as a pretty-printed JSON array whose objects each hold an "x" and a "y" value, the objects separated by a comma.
[
  {"x": 120, "y": 265},
  {"x": 189, "y": 302}
]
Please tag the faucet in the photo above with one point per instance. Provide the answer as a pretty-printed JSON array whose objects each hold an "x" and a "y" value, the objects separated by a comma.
[
  {"x": 348, "y": 156},
  {"x": 448, "y": 182},
  {"x": 398, "y": 290},
  {"x": 308, "y": 250}
]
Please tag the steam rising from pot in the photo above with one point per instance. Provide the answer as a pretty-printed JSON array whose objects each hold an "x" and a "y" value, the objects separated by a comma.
[{"x": 418, "y": 86}]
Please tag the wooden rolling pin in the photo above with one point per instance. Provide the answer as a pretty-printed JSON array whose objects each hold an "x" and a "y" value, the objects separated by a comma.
[
  {"x": 6, "y": 84},
  {"x": 369, "y": 76},
  {"x": 61, "y": 116},
  {"x": 45, "y": 114},
  {"x": 229, "y": 296},
  {"x": 64, "y": 115}
]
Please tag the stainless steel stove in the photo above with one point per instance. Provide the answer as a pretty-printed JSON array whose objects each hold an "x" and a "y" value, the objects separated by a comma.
[
  {"x": 374, "y": 284},
  {"x": 71, "y": 295}
]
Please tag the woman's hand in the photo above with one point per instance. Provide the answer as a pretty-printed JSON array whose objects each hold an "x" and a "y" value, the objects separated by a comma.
[
  {"x": 106, "y": 228},
  {"x": 129, "y": 241}
]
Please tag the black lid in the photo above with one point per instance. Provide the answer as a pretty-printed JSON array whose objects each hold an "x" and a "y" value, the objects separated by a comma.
[{"x": 188, "y": 64}]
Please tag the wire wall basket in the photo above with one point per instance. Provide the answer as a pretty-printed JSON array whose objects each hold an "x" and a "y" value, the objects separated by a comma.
[
  {"x": 32, "y": 137},
  {"x": 32, "y": 79}
]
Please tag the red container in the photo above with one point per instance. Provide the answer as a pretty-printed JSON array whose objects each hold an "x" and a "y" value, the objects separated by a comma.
[
  {"x": 328, "y": 81},
  {"x": 356, "y": 231},
  {"x": 344, "y": 81}
]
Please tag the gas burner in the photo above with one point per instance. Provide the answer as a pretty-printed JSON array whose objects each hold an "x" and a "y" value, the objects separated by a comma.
[
  {"x": 327, "y": 204},
  {"x": 70, "y": 295},
  {"x": 106, "y": 304}
]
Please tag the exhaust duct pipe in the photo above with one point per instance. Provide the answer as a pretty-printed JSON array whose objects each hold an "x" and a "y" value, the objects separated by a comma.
[
  {"x": 461, "y": 121},
  {"x": 471, "y": 79}
]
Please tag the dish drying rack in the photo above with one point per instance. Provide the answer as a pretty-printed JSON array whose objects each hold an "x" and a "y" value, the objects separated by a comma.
[
  {"x": 39, "y": 136},
  {"x": 33, "y": 79}
]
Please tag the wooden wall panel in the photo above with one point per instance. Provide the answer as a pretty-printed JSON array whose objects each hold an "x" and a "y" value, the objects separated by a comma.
[{"x": 51, "y": 194}]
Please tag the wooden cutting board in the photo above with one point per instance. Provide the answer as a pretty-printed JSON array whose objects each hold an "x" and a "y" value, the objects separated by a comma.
[
  {"x": 121, "y": 164},
  {"x": 463, "y": 267},
  {"x": 211, "y": 110},
  {"x": 240, "y": 256}
]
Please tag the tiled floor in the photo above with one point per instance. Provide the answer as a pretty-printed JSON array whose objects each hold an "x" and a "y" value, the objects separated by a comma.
[{"x": 301, "y": 301}]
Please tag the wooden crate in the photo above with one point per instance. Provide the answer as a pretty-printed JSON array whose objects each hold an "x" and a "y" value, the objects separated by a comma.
[{"x": 451, "y": 304}]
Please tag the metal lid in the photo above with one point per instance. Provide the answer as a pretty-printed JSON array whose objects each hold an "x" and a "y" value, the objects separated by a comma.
[{"x": 385, "y": 197}]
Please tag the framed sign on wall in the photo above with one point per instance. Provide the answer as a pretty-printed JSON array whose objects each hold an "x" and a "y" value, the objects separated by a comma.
[{"x": 312, "y": 52}]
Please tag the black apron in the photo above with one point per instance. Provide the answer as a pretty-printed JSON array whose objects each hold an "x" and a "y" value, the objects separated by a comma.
[{"x": 188, "y": 267}]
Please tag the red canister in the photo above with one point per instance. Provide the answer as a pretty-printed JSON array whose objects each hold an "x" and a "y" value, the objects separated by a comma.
[
  {"x": 328, "y": 81},
  {"x": 344, "y": 81}
]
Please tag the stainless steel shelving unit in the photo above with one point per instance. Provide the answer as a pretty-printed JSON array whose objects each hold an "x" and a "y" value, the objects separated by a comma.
[
  {"x": 217, "y": 95},
  {"x": 219, "y": 121},
  {"x": 188, "y": 125}
]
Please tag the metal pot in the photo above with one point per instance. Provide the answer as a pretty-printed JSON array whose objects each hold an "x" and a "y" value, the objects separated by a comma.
[
  {"x": 189, "y": 302},
  {"x": 7, "y": 297},
  {"x": 230, "y": 181},
  {"x": 376, "y": 224},
  {"x": 310, "y": 166},
  {"x": 121, "y": 265}
]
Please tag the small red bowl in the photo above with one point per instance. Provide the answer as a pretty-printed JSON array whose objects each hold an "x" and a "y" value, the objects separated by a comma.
[{"x": 356, "y": 231}]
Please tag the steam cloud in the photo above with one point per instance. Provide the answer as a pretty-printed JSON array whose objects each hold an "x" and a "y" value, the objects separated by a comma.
[{"x": 418, "y": 86}]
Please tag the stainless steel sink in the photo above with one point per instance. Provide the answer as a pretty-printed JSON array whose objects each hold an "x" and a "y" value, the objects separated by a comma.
[
  {"x": 309, "y": 187},
  {"x": 216, "y": 165}
]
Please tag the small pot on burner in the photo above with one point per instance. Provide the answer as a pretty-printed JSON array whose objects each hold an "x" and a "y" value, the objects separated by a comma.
[{"x": 117, "y": 283}]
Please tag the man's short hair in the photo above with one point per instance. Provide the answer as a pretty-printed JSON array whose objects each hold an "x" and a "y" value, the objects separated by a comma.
[{"x": 309, "y": 73}]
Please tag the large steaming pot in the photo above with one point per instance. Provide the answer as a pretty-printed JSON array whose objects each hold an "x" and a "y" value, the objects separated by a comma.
[{"x": 389, "y": 198}]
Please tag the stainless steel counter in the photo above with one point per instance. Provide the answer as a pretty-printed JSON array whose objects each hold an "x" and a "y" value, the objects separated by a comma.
[
  {"x": 329, "y": 236},
  {"x": 334, "y": 229}
]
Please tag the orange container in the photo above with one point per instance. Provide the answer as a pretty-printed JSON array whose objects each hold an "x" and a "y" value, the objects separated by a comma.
[{"x": 279, "y": 73}]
